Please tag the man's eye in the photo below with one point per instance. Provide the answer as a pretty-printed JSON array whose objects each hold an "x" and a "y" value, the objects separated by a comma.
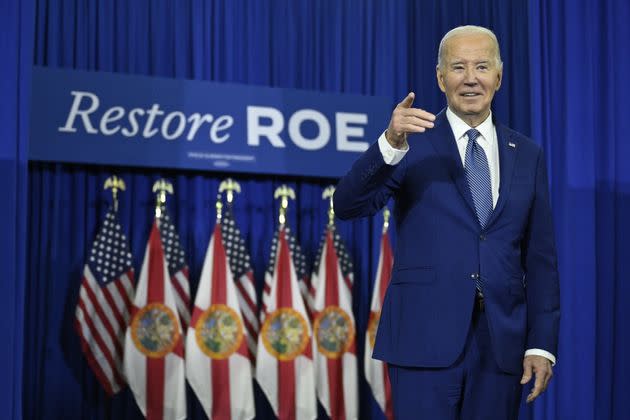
[{"x": 482, "y": 67}]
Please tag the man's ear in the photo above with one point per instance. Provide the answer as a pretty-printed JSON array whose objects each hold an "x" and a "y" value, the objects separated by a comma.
[
  {"x": 499, "y": 79},
  {"x": 440, "y": 79}
]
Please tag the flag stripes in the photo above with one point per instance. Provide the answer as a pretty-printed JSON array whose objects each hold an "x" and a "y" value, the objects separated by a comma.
[
  {"x": 240, "y": 265},
  {"x": 177, "y": 266}
]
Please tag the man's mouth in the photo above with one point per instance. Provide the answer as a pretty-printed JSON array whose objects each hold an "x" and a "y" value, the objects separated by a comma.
[{"x": 470, "y": 94}]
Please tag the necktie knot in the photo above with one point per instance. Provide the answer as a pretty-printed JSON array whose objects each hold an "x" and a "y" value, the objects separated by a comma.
[{"x": 473, "y": 134}]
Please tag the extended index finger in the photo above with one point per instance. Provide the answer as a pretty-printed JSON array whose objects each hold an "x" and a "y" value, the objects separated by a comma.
[
  {"x": 419, "y": 113},
  {"x": 408, "y": 101}
]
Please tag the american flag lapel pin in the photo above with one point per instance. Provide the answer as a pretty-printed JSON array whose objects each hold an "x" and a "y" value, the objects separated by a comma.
[{"x": 512, "y": 145}]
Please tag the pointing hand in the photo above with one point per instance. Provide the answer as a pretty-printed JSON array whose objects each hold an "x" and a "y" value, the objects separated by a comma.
[{"x": 406, "y": 119}]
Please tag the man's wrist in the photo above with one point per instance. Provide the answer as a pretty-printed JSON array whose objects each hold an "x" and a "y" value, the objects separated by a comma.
[
  {"x": 540, "y": 352},
  {"x": 391, "y": 155},
  {"x": 399, "y": 143}
]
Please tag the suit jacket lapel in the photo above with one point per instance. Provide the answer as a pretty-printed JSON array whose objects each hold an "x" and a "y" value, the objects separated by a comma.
[
  {"x": 508, "y": 150},
  {"x": 443, "y": 141}
]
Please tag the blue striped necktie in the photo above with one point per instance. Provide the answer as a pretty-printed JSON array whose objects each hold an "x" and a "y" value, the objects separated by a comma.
[{"x": 478, "y": 176}]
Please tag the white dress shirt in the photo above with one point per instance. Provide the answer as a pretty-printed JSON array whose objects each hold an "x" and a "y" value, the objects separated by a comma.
[{"x": 488, "y": 141}]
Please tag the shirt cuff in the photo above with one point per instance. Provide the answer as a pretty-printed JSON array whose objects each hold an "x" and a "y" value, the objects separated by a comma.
[
  {"x": 391, "y": 156},
  {"x": 543, "y": 353}
]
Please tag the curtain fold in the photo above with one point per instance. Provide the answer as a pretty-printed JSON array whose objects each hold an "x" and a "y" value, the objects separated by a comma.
[{"x": 16, "y": 43}]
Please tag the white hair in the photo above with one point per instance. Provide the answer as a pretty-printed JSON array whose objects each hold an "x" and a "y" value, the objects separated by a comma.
[{"x": 469, "y": 30}]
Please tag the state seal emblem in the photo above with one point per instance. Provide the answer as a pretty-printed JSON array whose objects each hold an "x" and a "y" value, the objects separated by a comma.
[
  {"x": 334, "y": 332},
  {"x": 285, "y": 334},
  {"x": 219, "y": 331},
  {"x": 155, "y": 330},
  {"x": 375, "y": 317}
]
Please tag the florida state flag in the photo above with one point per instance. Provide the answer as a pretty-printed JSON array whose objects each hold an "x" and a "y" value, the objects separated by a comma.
[
  {"x": 334, "y": 343},
  {"x": 284, "y": 364},
  {"x": 299, "y": 263},
  {"x": 375, "y": 370},
  {"x": 154, "y": 351},
  {"x": 217, "y": 356}
]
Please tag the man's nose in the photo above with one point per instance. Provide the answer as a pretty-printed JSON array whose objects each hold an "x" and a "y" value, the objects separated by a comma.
[{"x": 469, "y": 78}]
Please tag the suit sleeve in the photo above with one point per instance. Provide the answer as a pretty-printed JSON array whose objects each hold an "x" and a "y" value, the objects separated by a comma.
[
  {"x": 541, "y": 270},
  {"x": 369, "y": 184}
]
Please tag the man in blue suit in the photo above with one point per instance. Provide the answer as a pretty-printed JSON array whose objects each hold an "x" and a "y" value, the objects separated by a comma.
[{"x": 472, "y": 310}]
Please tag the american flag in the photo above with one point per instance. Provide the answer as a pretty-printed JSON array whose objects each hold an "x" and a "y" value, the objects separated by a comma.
[
  {"x": 299, "y": 260},
  {"x": 105, "y": 299},
  {"x": 177, "y": 267},
  {"x": 241, "y": 267}
]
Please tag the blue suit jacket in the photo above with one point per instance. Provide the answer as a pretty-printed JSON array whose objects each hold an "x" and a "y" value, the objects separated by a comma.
[{"x": 428, "y": 306}]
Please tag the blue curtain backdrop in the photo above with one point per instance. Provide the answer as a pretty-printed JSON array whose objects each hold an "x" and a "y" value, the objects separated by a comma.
[
  {"x": 563, "y": 84},
  {"x": 579, "y": 65},
  {"x": 16, "y": 46}
]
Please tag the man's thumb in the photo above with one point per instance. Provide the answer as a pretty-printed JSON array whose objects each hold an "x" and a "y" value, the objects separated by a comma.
[{"x": 408, "y": 101}]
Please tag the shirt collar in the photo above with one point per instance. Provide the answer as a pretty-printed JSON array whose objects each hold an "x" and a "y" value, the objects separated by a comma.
[{"x": 459, "y": 127}]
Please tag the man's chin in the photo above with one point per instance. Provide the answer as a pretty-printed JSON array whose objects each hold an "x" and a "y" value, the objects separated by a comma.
[
  {"x": 468, "y": 109},
  {"x": 474, "y": 111}
]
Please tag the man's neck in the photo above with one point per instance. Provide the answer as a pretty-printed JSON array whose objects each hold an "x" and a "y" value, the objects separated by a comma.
[{"x": 472, "y": 120}]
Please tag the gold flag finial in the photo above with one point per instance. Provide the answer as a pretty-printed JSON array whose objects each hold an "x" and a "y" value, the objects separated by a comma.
[
  {"x": 230, "y": 186},
  {"x": 328, "y": 195},
  {"x": 386, "y": 215},
  {"x": 115, "y": 184},
  {"x": 161, "y": 187},
  {"x": 284, "y": 193}
]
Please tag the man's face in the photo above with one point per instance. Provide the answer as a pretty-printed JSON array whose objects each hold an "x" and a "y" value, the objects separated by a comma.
[{"x": 469, "y": 76}]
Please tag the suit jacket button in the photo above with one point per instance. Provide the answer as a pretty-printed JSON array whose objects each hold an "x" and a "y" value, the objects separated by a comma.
[{"x": 482, "y": 237}]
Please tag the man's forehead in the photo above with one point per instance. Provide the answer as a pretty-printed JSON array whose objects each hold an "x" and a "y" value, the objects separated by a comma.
[
  {"x": 473, "y": 38},
  {"x": 469, "y": 47}
]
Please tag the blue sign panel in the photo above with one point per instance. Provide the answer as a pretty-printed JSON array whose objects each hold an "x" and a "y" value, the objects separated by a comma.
[{"x": 115, "y": 119}]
